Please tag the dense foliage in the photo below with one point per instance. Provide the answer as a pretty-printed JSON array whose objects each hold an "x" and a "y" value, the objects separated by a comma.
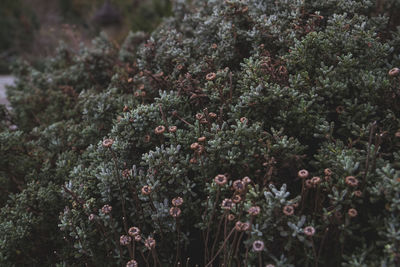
[{"x": 243, "y": 133}]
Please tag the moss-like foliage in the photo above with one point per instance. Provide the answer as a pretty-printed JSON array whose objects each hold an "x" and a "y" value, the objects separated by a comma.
[{"x": 242, "y": 133}]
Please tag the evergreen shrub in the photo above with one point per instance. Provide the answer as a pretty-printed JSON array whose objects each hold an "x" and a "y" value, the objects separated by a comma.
[{"x": 239, "y": 133}]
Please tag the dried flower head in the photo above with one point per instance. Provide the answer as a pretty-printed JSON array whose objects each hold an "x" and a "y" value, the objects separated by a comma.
[
  {"x": 246, "y": 180},
  {"x": 357, "y": 193},
  {"x": 147, "y": 138},
  {"x": 134, "y": 231},
  {"x": 193, "y": 160},
  {"x": 288, "y": 210},
  {"x": 125, "y": 240},
  {"x": 243, "y": 120},
  {"x": 194, "y": 146},
  {"x": 179, "y": 67},
  {"x": 214, "y": 46},
  {"x": 258, "y": 245},
  {"x": 339, "y": 109},
  {"x": 352, "y": 212},
  {"x": 242, "y": 226},
  {"x": 351, "y": 181},
  {"x": 125, "y": 109},
  {"x": 309, "y": 231},
  {"x": 159, "y": 129},
  {"x": 126, "y": 173},
  {"x": 303, "y": 174},
  {"x": 212, "y": 115},
  {"x": 308, "y": 183},
  {"x": 227, "y": 204},
  {"x": 269, "y": 265},
  {"x": 175, "y": 212},
  {"x": 199, "y": 116},
  {"x": 231, "y": 217},
  {"x": 106, "y": 209},
  {"x": 315, "y": 180},
  {"x": 211, "y": 76},
  {"x": 132, "y": 263},
  {"x": 394, "y": 72},
  {"x": 236, "y": 199},
  {"x": 253, "y": 211},
  {"x": 177, "y": 201},
  {"x": 146, "y": 190},
  {"x": 108, "y": 142},
  {"x": 201, "y": 139},
  {"x": 172, "y": 129},
  {"x": 328, "y": 172},
  {"x": 138, "y": 238},
  {"x": 239, "y": 186},
  {"x": 91, "y": 217},
  {"x": 221, "y": 179},
  {"x": 150, "y": 243}
]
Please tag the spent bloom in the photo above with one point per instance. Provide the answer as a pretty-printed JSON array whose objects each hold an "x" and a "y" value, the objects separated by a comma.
[
  {"x": 150, "y": 243},
  {"x": 288, "y": 210},
  {"x": 131, "y": 263},
  {"x": 351, "y": 181},
  {"x": 125, "y": 240},
  {"x": 106, "y": 209},
  {"x": 258, "y": 245},
  {"x": 175, "y": 212},
  {"x": 108, "y": 142},
  {"x": 352, "y": 212},
  {"x": 159, "y": 129},
  {"x": 309, "y": 231},
  {"x": 220, "y": 179},
  {"x": 253, "y": 211},
  {"x": 227, "y": 204},
  {"x": 303, "y": 174},
  {"x": 238, "y": 185},
  {"x": 177, "y": 201},
  {"x": 146, "y": 190},
  {"x": 134, "y": 231}
]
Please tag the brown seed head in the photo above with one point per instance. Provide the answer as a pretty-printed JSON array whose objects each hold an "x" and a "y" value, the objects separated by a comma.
[
  {"x": 159, "y": 129},
  {"x": 177, "y": 201},
  {"x": 242, "y": 226},
  {"x": 146, "y": 190},
  {"x": 231, "y": 217},
  {"x": 351, "y": 181},
  {"x": 172, "y": 129},
  {"x": 394, "y": 72},
  {"x": 352, "y": 212},
  {"x": 175, "y": 212},
  {"x": 288, "y": 210},
  {"x": 309, "y": 231},
  {"x": 220, "y": 179},
  {"x": 328, "y": 172},
  {"x": 236, "y": 199},
  {"x": 108, "y": 142},
  {"x": 211, "y": 76},
  {"x": 253, "y": 211},
  {"x": 315, "y": 180},
  {"x": 239, "y": 186},
  {"x": 357, "y": 193},
  {"x": 150, "y": 243},
  {"x": 258, "y": 245},
  {"x": 212, "y": 115},
  {"x": 132, "y": 263},
  {"x": 227, "y": 204},
  {"x": 134, "y": 231},
  {"x": 201, "y": 139},
  {"x": 194, "y": 146},
  {"x": 199, "y": 116},
  {"x": 106, "y": 209},
  {"x": 125, "y": 240},
  {"x": 303, "y": 174}
]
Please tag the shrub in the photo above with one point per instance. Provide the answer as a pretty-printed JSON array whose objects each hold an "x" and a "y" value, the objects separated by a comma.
[{"x": 239, "y": 133}]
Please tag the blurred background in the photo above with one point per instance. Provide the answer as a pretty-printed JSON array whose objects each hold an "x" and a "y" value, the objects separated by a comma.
[{"x": 32, "y": 29}]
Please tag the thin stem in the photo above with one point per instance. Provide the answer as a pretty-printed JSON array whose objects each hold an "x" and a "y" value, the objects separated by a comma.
[{"x": 223, "y": 245}]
